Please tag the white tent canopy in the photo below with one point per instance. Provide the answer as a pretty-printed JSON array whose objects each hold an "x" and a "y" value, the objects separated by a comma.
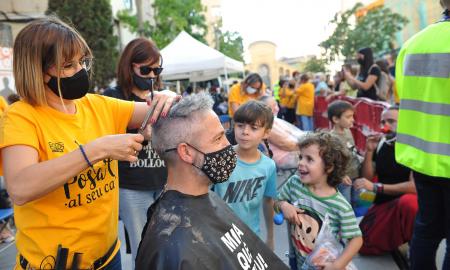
[{"x": 188, "y": 58}]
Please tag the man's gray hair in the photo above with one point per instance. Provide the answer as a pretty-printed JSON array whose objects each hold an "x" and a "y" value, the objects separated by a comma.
[{"x": 180, "y": 124}]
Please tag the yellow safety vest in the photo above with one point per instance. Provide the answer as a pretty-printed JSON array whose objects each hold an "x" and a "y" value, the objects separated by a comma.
[{"x": 423, "y": 83}]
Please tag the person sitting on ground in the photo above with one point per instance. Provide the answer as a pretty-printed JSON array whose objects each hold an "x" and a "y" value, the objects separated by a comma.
[
  {"x": 189, "y": 226},
  {"x": 306, "y": 199},
  {"x": 340, "y": 114},
  {"x": 251, "y": 88},
  {"x": 389, "y": 222},
  {"x": 252, "y": 124}
]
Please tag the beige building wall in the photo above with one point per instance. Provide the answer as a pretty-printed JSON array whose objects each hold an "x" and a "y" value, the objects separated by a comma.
[
  {"x": 420, "y": 13},
  {"x": 17, "y": 13},
  {"x": 263, "y": 61},
  {"x": 213, "y": 14}
]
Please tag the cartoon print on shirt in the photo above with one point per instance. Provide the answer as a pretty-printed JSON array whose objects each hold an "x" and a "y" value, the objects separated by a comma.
[{"x": 304, "y": 235}]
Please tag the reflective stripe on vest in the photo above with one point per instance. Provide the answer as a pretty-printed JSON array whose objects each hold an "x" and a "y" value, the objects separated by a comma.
[
  {"x": 425, "y": 107},
  {"x": 427, "y": 65},
  {"x": 429, "y": 147}
]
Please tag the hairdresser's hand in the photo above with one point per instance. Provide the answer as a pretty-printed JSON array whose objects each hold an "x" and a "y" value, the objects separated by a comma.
[
  {"x": 291, "y": 212},
  {"x": 122, "y": 147},
  {"x": 363, "y": 183},
  {"x": 162, "y": 101}
]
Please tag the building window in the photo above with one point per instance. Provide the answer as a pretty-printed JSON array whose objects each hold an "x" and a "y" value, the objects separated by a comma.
[
  {"x": 128, "y": 4},
  {"x": 264, "y": 72}
]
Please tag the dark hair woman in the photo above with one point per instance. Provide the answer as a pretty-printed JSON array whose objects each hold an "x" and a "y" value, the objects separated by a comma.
[
  {"x": 369, "y": 73},
  {"x": 141, "y": 181}
]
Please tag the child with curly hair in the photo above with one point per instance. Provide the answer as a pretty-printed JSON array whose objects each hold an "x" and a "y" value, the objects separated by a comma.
[{"x": 306, "y": 198}]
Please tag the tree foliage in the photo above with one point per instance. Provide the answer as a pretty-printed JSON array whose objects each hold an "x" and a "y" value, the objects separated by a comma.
[
  {"x": 230, "y": 43},
  {"x": 169, "y": 21},
  {"x": 93, "y": 19},
  {"x": 315, "y": 65},
  {"x": 376, "y": 29},
  {"x": 171, "y": 17}
]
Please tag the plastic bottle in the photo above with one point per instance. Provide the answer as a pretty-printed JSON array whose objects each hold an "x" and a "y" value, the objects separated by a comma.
[{"x": 366, "y": 195}]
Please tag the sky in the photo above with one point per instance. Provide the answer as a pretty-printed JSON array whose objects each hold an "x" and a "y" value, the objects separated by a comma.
[{"x": 296, "y": 26}]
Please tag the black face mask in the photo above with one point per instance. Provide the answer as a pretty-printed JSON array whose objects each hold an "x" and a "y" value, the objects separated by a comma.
[
  {"x": 291, "y": 86},
  {"x": 217, "y": 166},
  {"x": 360, "y": 61},
  {"x": 74, "y": 87},
  {"x": 143, "y": 84}
]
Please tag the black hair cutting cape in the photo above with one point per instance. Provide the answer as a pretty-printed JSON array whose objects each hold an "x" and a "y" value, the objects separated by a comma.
[{"x": 200, "y": 232}]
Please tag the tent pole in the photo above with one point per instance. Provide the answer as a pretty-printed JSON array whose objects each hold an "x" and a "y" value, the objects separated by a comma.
[{"x": 226, "y": 79}]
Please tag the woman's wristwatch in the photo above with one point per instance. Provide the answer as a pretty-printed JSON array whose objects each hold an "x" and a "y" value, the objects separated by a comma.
[{"x": 378, "y": 188}]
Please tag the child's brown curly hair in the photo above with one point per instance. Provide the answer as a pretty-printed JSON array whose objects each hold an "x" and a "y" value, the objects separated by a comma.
[{"x": 334, "y": 154}]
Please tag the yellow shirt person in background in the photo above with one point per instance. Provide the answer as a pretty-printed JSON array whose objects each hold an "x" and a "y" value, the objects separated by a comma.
[
  {"x": 59, "y": 150},
  {"x": 288, "y": 101},
  {"x": 251, "y": 88},
  {"x": 305, "y": 103}
]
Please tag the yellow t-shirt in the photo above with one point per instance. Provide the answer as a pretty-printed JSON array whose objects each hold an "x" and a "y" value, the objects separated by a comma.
[
  {"x": 287, "y": 98},
  {"x": 305, "y": 99},
  {"x": 81, "y": 215},
  {"x": 240, "y": 97},
  {"x": 3, "y": 104}
]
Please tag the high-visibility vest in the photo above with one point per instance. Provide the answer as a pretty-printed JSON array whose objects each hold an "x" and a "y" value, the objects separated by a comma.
[
  {"x": 276, "y": 92},
  {"x": 423, "y": 84}
]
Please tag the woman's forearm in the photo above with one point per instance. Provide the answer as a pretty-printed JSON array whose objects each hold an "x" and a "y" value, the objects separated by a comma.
[{"x": 32, "y": 180}]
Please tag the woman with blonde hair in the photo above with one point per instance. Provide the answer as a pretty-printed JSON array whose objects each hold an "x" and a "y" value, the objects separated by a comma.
[{"x": 59, "y": 150}]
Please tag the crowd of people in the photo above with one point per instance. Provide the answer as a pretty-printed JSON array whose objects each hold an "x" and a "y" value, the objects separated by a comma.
[{"x": 189, "y": 192}]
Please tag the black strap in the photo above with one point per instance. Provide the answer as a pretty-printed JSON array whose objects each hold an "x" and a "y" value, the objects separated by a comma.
[{"x": 96, "y": 265}]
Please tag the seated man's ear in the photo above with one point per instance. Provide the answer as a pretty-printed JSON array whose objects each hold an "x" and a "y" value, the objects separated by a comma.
[{"x": 186, "y": 153}]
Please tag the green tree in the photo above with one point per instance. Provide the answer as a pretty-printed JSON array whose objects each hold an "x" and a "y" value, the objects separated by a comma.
[
  {"x": 171, "y": 17},
  {"x": 93, "y": 19},
  {"x": 376, "y": 29},
  {"x": 230, "y": 43},
  {"x": 315, "y": 65}
]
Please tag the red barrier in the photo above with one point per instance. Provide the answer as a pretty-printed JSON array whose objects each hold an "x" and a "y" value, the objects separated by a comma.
[{"x": 367, "y": 117}]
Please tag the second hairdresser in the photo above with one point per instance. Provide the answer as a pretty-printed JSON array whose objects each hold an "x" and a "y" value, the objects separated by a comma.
[{"x": 140, "y": 182}]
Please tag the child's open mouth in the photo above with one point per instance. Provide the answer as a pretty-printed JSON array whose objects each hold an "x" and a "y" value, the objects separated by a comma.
[{"x": 303, "y": 173}]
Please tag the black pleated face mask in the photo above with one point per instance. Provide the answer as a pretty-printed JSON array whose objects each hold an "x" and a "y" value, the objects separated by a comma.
[
  {"x": 143, "y": 84},
  {"x": 73, "y": 87}
]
